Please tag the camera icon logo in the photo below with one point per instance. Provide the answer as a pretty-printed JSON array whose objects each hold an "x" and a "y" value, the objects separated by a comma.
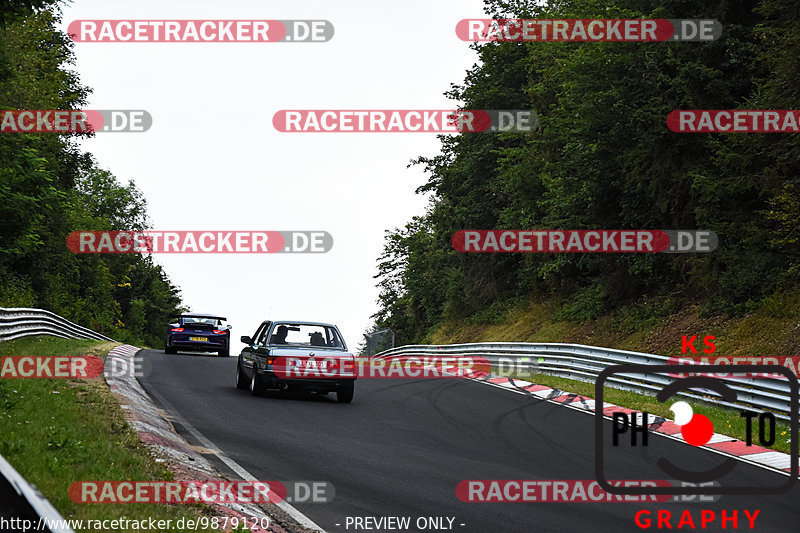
[{"x": 695, "y": 428}]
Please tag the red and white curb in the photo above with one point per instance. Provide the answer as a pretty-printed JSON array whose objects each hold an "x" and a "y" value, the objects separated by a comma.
[
  {"x": 719, "y": 443},
  {"x": 185, "y": 462}
]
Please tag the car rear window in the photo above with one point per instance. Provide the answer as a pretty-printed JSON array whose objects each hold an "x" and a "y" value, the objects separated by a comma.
[
  {"x": 312, "y": 335},
  {"x": 189, "y": 320}
]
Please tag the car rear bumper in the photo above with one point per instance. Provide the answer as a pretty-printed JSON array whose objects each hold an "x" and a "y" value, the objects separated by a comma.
[
  {"x": 210, "y": 345},
  {"x": 270, "y": 380}
]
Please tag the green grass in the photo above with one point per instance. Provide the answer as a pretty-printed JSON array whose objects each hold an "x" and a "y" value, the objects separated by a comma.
[
  {"x": 56, "y": 432},
  {"x": 726, "y": 421},
  {"x": 47, "y": 345},
  {"x": 651, "y": 326}
]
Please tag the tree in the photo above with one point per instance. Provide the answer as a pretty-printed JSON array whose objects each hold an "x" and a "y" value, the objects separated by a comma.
[
  {"x": 604, "y": 158},
  {"x": 49, "y": 188}
]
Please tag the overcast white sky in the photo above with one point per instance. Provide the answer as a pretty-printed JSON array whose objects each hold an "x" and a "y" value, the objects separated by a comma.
[{"x": 212, "y": 159}]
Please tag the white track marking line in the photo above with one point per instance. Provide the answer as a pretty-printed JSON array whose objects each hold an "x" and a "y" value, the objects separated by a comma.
[
  {"x": 301, "y": 519},
  {"x": 773, "y": 459}
]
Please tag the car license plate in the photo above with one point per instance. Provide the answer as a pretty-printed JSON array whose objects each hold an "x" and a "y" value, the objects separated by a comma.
[
  {"x": 308, "y": 364},
  {"x": 201, "y": 339}
]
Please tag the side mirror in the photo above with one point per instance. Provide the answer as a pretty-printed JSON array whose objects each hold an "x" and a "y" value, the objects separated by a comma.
[{"x": 246, "y": 339}]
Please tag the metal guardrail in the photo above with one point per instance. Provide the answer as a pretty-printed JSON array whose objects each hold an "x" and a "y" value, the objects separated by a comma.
[
  {"x": 584, "y": 363},
  {"x": 20, "y": 502},
  {"x": 23, "y": 507},
  {"x": 19, "y": 322}
]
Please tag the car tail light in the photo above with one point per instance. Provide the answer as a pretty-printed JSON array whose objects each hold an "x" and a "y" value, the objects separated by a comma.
[
  {"x": 270, "y": 361},
  {"x": 176, "y": 329},
  {"x": 219, "y": 331}
]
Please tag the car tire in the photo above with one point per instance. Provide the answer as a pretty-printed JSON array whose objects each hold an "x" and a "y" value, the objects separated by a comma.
[
  {"x": 345, "y": 394},
  {"x": 170, "y": 350},
  {"x": 256, "y": 387},
  {"x": 241, "y": 378},
  {"x": 224, "y": 353}
]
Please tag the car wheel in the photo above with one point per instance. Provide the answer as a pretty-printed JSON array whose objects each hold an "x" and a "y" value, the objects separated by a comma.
[
  {"x": 345, "y": 394},
  {"x": 256, "y": 388},
  {"x": 241, "y": 379},
  {"x": 224, "y": 353},
  {"x": 167, "y": 349}
]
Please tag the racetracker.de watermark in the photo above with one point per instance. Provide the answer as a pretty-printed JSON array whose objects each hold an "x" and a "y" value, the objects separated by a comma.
[
  {"x": 627, "y": 30},
  {"x": 74, "y": 120},
  {"x": 410, "y": 367},
  {"x": 584, "y": 241},
  {"x": 71, "y": 367},
  {"x": 206, "y": 242},
  {"x": 49, "y": 367},
  {"x": 200, "y": 31},
  {"x": 791, "y": 362},
  {"x": 568, "y": 491},
  {"x": 180, "y": 492},
  {"x": 405, "y": 121},
  {"x": 734, "y": 121}
]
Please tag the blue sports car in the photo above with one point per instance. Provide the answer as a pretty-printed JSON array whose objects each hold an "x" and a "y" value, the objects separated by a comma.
[{"x": 194, "y": 332}]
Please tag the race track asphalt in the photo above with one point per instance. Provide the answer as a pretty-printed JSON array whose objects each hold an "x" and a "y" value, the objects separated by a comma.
[{"x": 403, "y": 445}]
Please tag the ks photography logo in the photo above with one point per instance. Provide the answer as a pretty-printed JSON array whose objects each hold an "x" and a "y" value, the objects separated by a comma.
[{"x": 629, "y": 431}]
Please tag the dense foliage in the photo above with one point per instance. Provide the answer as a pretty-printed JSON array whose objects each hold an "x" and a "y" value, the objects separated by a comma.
[
  {"x": 48, "y": 188},
  {"x": 604, "y": 158}
]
